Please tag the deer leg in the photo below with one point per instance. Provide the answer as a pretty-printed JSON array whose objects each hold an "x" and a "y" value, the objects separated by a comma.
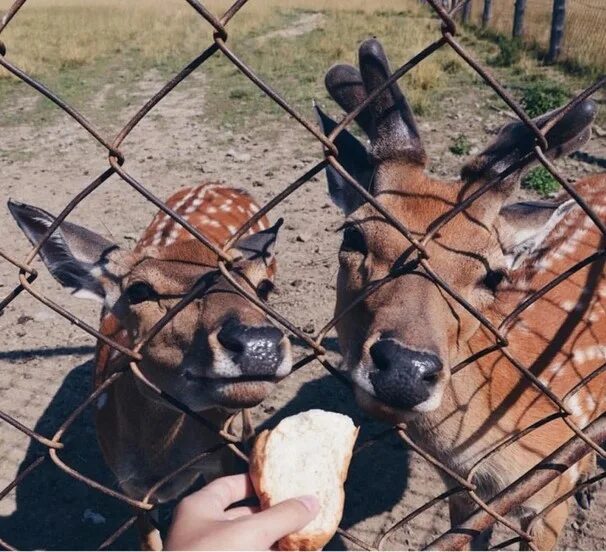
[
  {"x": 149, "y": 536},
  {"x": 460, "y": 507},
  {"x": 545, "y": 531}
]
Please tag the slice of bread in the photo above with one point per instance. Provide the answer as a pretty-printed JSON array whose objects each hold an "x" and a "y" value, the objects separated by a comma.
[{"x": 305, "y": 454}]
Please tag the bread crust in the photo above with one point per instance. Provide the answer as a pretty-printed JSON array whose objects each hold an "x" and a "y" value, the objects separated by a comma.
[{"x": 295, "y": 541}]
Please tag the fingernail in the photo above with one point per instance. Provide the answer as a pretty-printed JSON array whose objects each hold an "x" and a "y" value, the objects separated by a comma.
[{"x": 310, "y": 502}]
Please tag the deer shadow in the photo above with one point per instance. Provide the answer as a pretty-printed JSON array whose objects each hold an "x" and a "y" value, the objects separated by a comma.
[
  {"x": 378, "y": 474},
  {"x": 52, "y": 509}
]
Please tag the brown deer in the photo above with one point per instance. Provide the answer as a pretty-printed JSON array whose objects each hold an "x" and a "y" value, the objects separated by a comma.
[
  {"x": 400, "y": 343},
  {"x": 220, "y": 353}
]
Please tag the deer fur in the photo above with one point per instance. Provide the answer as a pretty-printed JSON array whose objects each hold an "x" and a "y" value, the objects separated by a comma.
[
  {"x": 142, "y": 436},
  {"x": 493, "y": 254}
]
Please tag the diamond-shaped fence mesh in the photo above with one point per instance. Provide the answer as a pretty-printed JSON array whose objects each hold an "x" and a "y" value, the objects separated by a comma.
[{"x": 495, "y": 510}]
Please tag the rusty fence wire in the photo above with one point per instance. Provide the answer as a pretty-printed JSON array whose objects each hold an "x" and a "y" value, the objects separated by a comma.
[{"x": 488, "y": 512}]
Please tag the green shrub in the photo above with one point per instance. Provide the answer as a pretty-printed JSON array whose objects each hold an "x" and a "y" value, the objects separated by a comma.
[
  {"x": 541, "y": 96},
  {"x": 239, "y": 94},
  {"x": 460, "y": 145},
  {"x": 510, "y": 52},
  {"x": 541, "y": 181}
]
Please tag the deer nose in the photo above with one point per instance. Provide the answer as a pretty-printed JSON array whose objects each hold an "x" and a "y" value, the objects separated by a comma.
[
  {"x": 257, "y": 350},
  {"x": 402, "y": 378}
]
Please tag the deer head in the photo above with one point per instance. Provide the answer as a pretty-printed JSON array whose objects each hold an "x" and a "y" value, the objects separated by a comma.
[
  {"x": 220, "y": 350},
  {"x": 400, "y": 342}
]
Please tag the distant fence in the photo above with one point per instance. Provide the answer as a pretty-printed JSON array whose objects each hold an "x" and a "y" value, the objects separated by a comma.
[{"x": 565, "y": 30}]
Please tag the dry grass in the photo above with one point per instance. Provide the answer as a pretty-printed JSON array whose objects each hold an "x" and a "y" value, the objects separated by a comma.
[
  {"x": 52, "y": 34},
  {"x": 585, "y": 34},
  {"x": 47, "y": 36},
  {"x": 73, "y": 45},
  {"x": 78, "y": 46}
]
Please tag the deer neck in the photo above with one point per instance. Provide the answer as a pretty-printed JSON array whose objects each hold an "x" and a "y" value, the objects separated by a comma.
[
  {"x": 143, "y": 438},
  {"x": 559, "y": 338}
]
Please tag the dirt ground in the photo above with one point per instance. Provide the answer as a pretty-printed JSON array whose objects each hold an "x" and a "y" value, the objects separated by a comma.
[{"x": 45, "y": 363}]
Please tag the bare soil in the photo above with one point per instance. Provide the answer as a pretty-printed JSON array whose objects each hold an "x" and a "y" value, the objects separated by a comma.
[{"x": 45, "y": 363}]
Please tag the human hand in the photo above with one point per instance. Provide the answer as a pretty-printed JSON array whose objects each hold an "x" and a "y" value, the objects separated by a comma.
[{"x": 201, "y": 520}]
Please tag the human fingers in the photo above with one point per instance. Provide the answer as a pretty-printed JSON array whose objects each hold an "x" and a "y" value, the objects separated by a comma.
[
  {"x": 235, "y": 513},
  {"x": 268, "y": 526},
  {"x": 211, "y": 501}
]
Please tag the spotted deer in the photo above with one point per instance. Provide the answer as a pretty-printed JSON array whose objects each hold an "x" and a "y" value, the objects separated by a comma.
[
  {"x": 218, "y": 354},
  {"x": 400, "y": 343}
]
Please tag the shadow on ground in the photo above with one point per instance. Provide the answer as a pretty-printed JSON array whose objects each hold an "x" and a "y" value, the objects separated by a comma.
[{"x": 55, "y": 511}]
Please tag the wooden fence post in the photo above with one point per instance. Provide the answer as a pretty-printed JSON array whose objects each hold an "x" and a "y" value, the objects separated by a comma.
[
  {"x": 518, "y": 18},
  {"x": 558, "y": 20},
  {"x": 487, "y": 13},
  {"x": 467, "y": 11}
]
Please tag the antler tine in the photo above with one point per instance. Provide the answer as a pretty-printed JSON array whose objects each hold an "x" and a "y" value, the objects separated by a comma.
[
  {"x": 396, "y": 130},
  {"x": 344, "y": 83}
]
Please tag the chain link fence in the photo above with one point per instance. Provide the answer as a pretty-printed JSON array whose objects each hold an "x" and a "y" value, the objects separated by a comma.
[
  {"x": 583, "y": 41},
  {"x": 587, "y": 439}
]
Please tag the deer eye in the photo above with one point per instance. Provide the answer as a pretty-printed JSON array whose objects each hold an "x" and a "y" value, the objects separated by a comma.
[
  {"x": 138, "y": 292},
  {"x": 353, "y": 240},
  {"x": 264, "y": 288},
  {"x": 493, "y": 279}
]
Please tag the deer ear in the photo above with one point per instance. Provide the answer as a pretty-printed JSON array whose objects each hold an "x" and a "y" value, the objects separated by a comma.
[
  {"x": 522, "y": 227},
  {"x": 72, "y": 254},
  {"x": 515, "y": 143},
  {"x": 259, "y": 246},
  {"x": 354, "y": 158}
]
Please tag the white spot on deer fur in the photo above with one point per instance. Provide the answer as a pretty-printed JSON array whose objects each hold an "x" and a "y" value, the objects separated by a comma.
[
  {"x": 262, "y": 225},
  {"x": 101, "y": 401},
  {"x": 182, "y": 201},
  {"x": 157, "y": 237},
  {"x": 557, "y": 255},
  {"x": 214, "y": 223},
  {"x": 568, "y": 248},
  {"x": 591, "y": 403},
  {"x": 594, "y": 316},
  {"x": 592, "y": 352},
  {"x": 570, "y": 306},
  {"x": 226, "y": 207},
  {"x": 231, "y": 229},
  {"x": 556, "y": 367},
  {"x": 574, "y": 404},
  {"x": 551, "y": 373},
  {"x": 573, "y": 472},
  {"x": 211, "y": 210},
  {"x": 253, "y": 207}
]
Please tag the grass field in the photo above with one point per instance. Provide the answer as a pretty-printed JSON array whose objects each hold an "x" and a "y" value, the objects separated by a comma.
[
  {"x": 77, "y": 46},
  {"x": 584, "y": 44}
]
